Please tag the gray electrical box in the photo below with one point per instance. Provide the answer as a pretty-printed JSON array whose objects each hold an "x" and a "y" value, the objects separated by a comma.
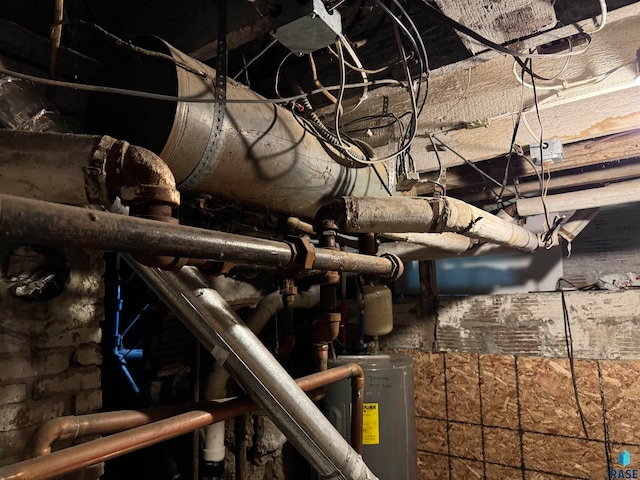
[
  {"x": 305, "y": 27},
  {"x": 552, "y": 151}
]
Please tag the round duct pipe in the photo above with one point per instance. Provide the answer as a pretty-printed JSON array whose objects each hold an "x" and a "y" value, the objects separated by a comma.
[{"x": 255, "y": 154}]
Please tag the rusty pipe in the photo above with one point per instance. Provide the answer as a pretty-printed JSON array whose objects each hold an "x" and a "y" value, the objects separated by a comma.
[
  {"x": 38, "y": 222},
  {"x": 146, "y": 429},
  {"x": 82, "y": 169}
]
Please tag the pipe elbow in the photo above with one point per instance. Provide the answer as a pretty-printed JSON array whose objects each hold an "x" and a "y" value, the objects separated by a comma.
[
  {"x": 144, "y": 177},
  {"x": 137, "y": 175},
  {"x": 52, "y": 431}
]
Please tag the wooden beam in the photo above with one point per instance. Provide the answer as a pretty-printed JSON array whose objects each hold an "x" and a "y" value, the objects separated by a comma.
[
  {"x": 609, "y": 150},
  {"x": 489, "y": 94}
]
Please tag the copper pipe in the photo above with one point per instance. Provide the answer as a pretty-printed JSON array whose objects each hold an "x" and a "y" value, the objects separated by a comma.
[
  {"x": 86, "y": 454},
  {"x": 356, "y": 374},
  {"x": 102, "y": 423},
  {"x": 71, "y": 427},
  {"x": 295, "y": 225}
]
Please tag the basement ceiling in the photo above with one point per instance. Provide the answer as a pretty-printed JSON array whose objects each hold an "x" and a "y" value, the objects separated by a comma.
[{"x": 473, "y": 96}]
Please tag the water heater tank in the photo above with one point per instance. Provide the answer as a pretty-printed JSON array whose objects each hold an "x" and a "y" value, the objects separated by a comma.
[{"x": 389, "y": 431}]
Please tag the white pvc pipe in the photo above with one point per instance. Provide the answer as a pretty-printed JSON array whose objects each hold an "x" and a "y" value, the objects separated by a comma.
[
  {"x": 214, "y": 449},
  {"x": 614, "y": 194}
]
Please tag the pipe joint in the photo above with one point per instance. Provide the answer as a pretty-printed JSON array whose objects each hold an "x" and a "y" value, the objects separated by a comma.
[
  {"x": 303, "y": 257},
  {"x": 136, "y": 174},
  {"x": 397, "y": 270}
]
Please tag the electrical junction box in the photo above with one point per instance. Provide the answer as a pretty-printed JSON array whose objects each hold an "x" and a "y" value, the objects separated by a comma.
[
  {"x": 304, "y": 27},
  {"x": 552, "y": 151}
]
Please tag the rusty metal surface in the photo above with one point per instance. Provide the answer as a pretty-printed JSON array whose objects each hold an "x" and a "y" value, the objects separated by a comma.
[{"x": 36, "y": 222}]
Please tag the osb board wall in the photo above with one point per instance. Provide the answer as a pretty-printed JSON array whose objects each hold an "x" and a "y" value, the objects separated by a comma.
[
  {"x": 515, "y": 417},
  {"x": 609, "y": 244},
  {"x": 603, "y": 324}
]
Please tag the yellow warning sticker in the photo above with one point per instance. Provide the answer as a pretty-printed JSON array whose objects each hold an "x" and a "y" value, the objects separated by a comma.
[{"x": 370, "y": 425}]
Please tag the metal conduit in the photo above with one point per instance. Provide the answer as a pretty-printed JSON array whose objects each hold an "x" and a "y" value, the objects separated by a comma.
[
  {"x": 38, "y": 222},
  {"x": 229, "y": 340},
  {"x": 142, "y": 433}
]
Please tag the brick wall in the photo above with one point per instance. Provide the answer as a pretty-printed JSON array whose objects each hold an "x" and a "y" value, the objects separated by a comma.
[{"x": 49, "y": 354}]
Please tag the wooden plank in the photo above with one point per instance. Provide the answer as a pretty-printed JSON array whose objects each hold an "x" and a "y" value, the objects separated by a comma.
[
  {"x": 604, "y": 324},
  {"x": 610, "y": 150},
  {"x": 500, "y": 22},
  {"x": 490, "y": 95},
  {"x": 597, "y": 175}
]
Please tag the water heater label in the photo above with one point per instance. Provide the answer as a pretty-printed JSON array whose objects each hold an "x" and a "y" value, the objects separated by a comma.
[{"x": 370, "y": 425}]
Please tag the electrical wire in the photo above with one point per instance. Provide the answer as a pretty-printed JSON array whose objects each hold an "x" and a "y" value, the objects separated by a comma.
[
  {"x": 256, "y": 57},
  {"x": 370, "y": 71},
  {"x": 343, "y": 81},
  {"x": 415, "y": 41},
  {"x": 565, "y": 85},
  {"x": 352, "y": 53},
  {"x": 173, "y": 98},
  {"x": 472, "y": 165},
  {"x": 314, "y": 74},
  {"x": 603, "y": 16},
  {"x": 119, "y": 42},
  {"x": 496, "y": 46},
  {"x": 278, "y": 70},
  {"x": 540, "y": 146}
]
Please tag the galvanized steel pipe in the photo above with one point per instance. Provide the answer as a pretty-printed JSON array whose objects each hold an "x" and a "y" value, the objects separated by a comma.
[
  {"x": 229, "y": 340},
  {"x": 38, "y": 222}
]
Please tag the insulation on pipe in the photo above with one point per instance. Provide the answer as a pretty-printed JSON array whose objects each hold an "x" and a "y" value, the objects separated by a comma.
[
  {"x": 435, "y": 215},
  {"x": 229, "y": 340},
  {"x": 214, "y": 449}
]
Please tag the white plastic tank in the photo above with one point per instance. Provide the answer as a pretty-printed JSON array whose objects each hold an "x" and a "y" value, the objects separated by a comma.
[
  {"x": 389, "y": 431},
  {"x": 378, "y": 310}
]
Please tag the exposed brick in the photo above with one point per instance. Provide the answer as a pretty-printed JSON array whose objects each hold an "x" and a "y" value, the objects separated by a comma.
[
  {"x": 13, "y": 444},
  {"x": 15, "y": 367},
  {"x": 70, "y": 315},
  {"x": 73, "y": 382},
  {"x": 88, "y": 401},
  {"x": 19, "y": 415},
  {"x": 15, "y": 329},
  {"x": 68, "y": 338},
  {"x": 13, "y": 393},
  {"x": 89, "y": 355},
  {"x": 39, "y": 364}
]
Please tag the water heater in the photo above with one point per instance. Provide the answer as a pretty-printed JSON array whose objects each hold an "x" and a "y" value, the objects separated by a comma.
[{"x": 389, "y": 431}]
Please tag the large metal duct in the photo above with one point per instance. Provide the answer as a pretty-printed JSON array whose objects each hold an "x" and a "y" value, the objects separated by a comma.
[{"x": 256, "y": 154}]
